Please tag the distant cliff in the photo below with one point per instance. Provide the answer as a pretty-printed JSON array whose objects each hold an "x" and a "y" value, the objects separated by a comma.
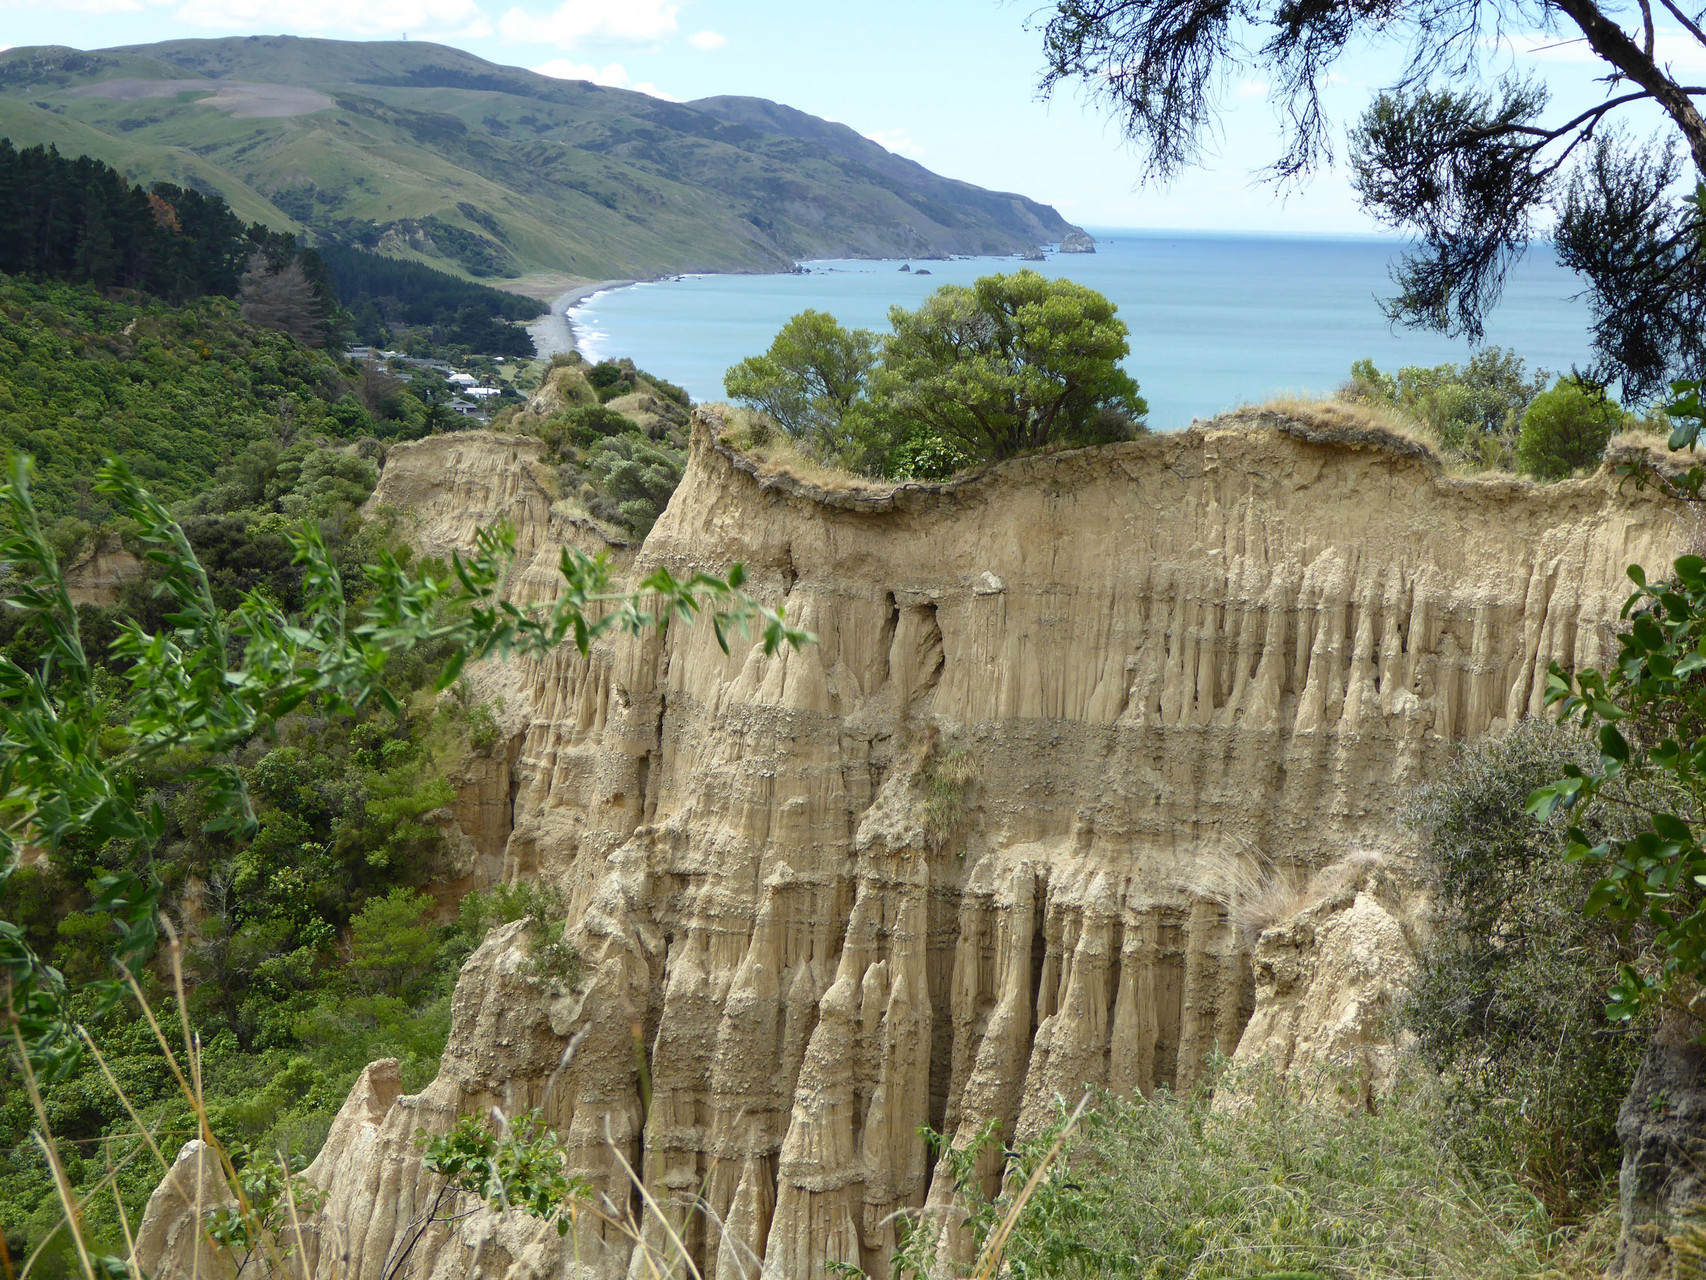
[
  {"x": 505, "y": 172},
  {"x": 965, "y": 853}
]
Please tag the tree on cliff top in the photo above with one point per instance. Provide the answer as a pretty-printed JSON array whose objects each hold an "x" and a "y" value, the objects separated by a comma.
[
  {"x": 1015, "y": 362},
  {"x": 1471, "y": 171},
  {"x": 1012, "y": 363},
  {"x": 812, "y": 375}
]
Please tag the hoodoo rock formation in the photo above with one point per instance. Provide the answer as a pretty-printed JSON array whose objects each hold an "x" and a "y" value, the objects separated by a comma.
[{"x": 948, "y": 863}]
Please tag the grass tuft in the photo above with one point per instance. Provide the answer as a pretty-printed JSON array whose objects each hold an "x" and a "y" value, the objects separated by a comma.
[
  {"x": 776, "y": 454},
  {"x": 942, "y": 781},
  {"x": 1259, "y": 893}
]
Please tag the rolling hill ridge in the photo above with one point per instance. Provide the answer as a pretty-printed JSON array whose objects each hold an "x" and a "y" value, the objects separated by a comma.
[{"x": 425, "y": 152}]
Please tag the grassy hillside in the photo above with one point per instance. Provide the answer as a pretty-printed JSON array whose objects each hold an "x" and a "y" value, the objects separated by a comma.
[
  {"x": 432, "y": 154},
  {"x": 27, "y": 125}
]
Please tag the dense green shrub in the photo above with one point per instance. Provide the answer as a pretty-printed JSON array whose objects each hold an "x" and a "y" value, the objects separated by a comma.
[
  {"x": 1565, "y": 428},
  {"x": 632, "y": 479},
  {"x": 621, "y": 466},
  {"x": 610, "y": 380},
  {"x": 1510, "y": 1003},
  {"x": 923, "y": 455},
  {"x": 581, "y": 427}
]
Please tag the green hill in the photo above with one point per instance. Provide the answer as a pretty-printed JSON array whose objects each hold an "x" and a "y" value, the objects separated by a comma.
[{"x": 432, "y": 154}]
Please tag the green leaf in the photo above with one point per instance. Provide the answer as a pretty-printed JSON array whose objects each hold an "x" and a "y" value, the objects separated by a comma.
[
  {"x": 452, "y": 669},
  {"x": 1612, "y": 744},
  {"x": 1672, "y": 827}
]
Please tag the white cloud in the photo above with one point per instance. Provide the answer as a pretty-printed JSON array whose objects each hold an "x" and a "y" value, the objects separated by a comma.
[
  {"x": 1671, "y": 45},
  {"x": 1252, "y": 89},
  {"x": 612, "y": 74},
  {"x": 707, "y": 40},
  {"x": 422, "y": 18},
  {"x": 580, "y": 21},
  {"x": 898, "y": 141},
  {"x": 82, "y": 6}
]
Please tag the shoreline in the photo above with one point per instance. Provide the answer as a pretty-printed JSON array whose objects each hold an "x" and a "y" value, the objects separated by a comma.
[{"x": 554, "y": 333}]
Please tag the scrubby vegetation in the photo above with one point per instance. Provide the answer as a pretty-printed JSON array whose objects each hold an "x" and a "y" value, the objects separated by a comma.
[
  {"x": 942, "y": 781},
  {"x": 1492, "y": 414},
  {"x": 618, "y": 436},
  {"x": 310, "y": 948},
  {"x": 1510, "y": 1006},
  {"x": 265, "y": 778},
  {"x": 1012, "y": 364},
  {"x": 311, "y": 944},
  {"x": 1185, "y": 1187}
]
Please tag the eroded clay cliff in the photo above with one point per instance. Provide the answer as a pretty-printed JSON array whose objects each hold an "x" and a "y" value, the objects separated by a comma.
[{"x": 1241, "y": 642}]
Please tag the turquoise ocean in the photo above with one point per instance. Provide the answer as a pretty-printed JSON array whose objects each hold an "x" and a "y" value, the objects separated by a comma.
[{"x": 1216, "y": 320}]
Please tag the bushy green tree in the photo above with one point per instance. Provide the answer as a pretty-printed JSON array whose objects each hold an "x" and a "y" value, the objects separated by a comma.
[
  {"x": 1013, "y": 363},
  {"x": 393, "y": 942},
  {"x": 1565, "y": 428},
  {"x": 809, "y": 380}
]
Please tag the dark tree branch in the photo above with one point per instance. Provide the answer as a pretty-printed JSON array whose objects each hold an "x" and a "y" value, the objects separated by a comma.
[
  {"x": 1689, "y": 25},
  {"x": 1613, "y": 44},
  {"x": 1470, "y": 171}
]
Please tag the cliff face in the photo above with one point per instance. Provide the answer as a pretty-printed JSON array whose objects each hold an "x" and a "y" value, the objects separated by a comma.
[{"x": 958, "y": 857}]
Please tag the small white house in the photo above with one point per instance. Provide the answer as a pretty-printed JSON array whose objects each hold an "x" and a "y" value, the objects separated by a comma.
[
  {"x": 463, "y": 380},
  {"x": 481, "y": 393}
]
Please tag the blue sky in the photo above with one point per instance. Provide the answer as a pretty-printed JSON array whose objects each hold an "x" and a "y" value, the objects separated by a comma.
[{"x": 951, "y": 83}]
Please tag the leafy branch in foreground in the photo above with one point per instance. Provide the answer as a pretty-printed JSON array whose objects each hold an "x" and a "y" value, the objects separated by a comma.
[
  {"x": 73, "y": 741},
  {"x": 1647, "y": 713}
]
